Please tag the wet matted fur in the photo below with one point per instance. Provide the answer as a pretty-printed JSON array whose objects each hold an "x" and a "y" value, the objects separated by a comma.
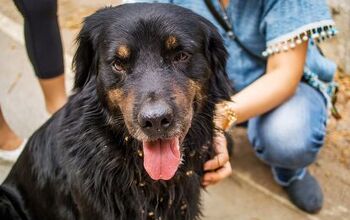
[{"x": 136, "y": 65}]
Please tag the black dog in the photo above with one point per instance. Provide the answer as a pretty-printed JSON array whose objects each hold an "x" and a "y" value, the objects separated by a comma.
[{"x": 132, "y": 140}]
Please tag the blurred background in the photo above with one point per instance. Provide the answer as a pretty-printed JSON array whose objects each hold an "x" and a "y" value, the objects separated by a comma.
[{"x": 250, "y": 193}]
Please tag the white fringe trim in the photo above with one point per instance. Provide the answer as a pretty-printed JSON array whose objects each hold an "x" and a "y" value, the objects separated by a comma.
[{"x": 317, "y": 31}]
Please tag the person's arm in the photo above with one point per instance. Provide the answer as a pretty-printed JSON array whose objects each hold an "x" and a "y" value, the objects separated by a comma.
[{"x": 283, "y": 74}]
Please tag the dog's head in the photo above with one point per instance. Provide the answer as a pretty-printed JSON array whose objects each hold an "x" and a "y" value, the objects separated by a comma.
[{"x": 156, "y": 66}]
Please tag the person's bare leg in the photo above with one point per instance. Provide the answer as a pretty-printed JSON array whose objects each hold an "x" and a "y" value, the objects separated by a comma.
[
  {"x": 8, "y": 139},
  {"x": 54, "y": 93}
]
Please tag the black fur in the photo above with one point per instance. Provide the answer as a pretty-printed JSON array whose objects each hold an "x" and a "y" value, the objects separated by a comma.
[{"x": 79, "y": 165}]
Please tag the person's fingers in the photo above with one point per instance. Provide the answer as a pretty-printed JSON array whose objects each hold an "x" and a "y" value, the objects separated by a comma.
[
  {"x": 205, "y": 183},
  {"x": 214, "y": 177},
  {"x": 220, "y": 143},
  {"x": 219, "y": 174},
  {"x": 220, "y": 164},
  {"x": 216, "y": 162},
  {"x": 220, "y": 148}
]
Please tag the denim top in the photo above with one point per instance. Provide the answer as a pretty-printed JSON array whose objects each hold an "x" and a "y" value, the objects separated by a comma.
[{"x": 266, "y": 27}]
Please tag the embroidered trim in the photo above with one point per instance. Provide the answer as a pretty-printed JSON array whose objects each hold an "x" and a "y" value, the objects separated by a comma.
[
  {"x": 328, "y": 89},
  {"x": 315, "y": 32}
]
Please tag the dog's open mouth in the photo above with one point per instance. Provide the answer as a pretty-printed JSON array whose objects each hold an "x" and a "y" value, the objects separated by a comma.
[{"x": 162, "y": 158}]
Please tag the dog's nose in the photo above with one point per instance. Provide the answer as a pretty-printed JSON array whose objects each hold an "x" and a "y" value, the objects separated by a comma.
[{"x": 155, "y": 117}]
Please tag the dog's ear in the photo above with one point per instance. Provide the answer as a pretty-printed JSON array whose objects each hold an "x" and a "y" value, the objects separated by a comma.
[
  {"x": 216, "y": 54},
  {"x": 85, "y": 61}
]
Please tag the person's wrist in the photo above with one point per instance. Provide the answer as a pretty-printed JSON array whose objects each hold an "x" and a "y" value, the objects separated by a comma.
[
  {"x": 226, "y": 115},
  {"x": 230, "y": 115}
]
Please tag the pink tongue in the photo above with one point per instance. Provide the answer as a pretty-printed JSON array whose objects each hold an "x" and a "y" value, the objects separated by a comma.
[{"x": 161, "y": 158}]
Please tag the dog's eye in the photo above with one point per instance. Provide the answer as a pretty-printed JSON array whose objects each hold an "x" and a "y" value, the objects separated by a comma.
[
  {"x": 181, "y": 57},
  {"x": 118, "y": 67}
]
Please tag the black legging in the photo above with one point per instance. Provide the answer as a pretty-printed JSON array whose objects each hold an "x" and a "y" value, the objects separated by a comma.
[{"x": 42, "y": 36}]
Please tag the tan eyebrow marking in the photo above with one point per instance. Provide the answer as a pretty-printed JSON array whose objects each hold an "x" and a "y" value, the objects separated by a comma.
[
  {"x": 171, "y": 42},
  {"x": 123, "y": 51},
  {"x": 115, "y": 95}
]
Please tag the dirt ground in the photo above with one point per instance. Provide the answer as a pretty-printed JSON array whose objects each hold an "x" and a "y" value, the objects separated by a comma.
[
  {"x": 250, "y": 193},
  {"x": 339, "y": 130}
]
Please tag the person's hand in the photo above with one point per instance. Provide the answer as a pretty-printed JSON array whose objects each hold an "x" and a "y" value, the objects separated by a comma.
[{"x": 218, "y": 167}]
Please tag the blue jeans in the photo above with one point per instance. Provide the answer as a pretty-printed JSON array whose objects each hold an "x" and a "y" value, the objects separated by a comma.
[{"x": 289, "y": 137}]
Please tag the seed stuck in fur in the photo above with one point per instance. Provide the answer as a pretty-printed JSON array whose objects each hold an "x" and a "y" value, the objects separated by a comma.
[
  {"x": 192, "y": 153},
  {"x": 140, "y": 153},
  {"x": 189, "y": 173},
  {"x": 183, "y": 206}
]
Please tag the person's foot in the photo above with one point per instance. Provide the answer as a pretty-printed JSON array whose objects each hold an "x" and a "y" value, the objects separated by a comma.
[
  {"x": 8, "y": 139},
  {"x": 12, "y": 155},
  {"x": 11, "y": 145},
  {"x": 306, "y": 194}
]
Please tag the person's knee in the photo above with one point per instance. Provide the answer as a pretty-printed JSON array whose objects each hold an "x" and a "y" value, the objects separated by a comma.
[
  {"x": 289, "y": 153},
  {"x": 287, "y": 142}
]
